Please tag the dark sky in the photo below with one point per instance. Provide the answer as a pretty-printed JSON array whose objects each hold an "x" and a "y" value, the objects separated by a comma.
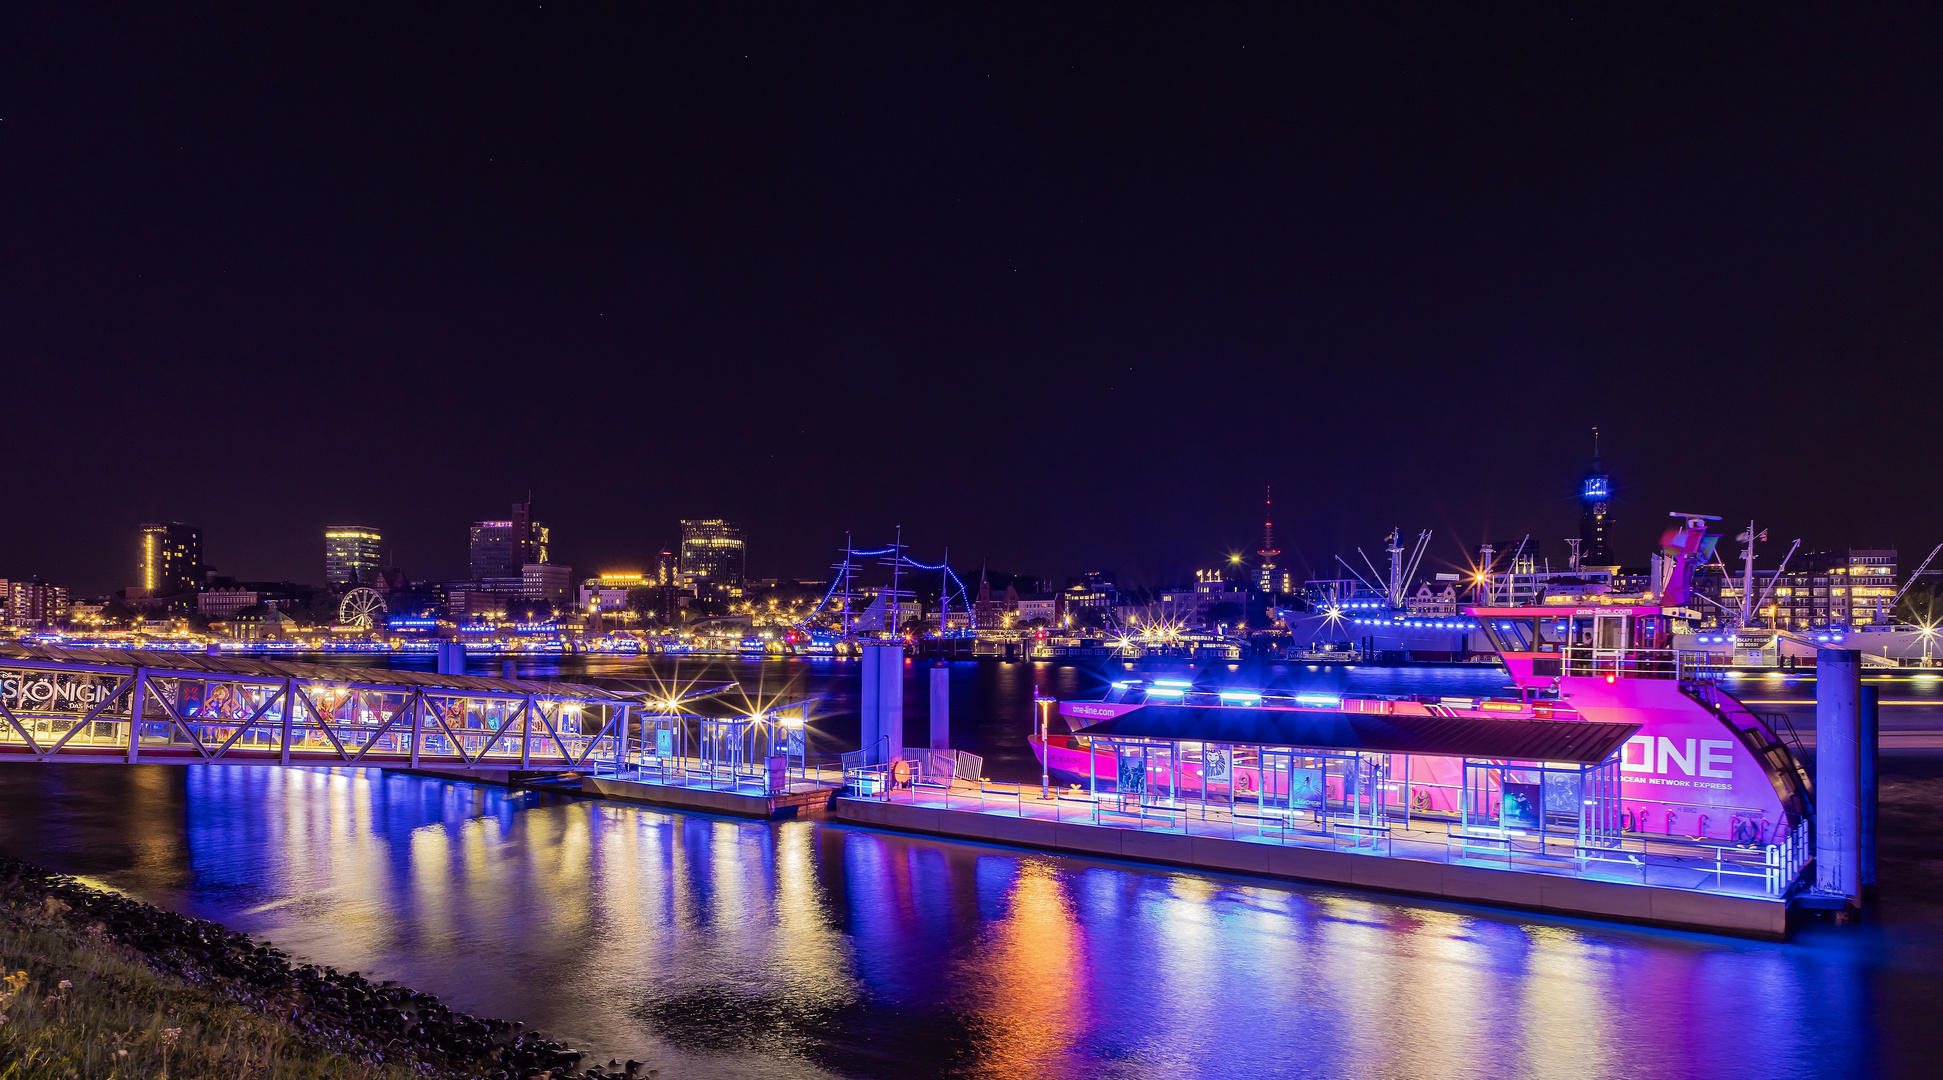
[{"x": 1056, "y": 288}]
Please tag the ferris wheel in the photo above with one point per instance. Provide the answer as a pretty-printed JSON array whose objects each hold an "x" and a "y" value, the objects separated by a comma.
[{"x": 361, "y": 608}]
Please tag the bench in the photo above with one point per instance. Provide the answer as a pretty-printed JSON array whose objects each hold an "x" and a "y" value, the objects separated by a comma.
[
  {"x": 1493, "y": 842},
  {"x": 1361, "y": 833}
]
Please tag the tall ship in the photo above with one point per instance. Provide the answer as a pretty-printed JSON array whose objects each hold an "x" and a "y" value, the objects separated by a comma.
[
  {"x": 1600, "y": 688},
  {"x": 1377, "y": 618}
]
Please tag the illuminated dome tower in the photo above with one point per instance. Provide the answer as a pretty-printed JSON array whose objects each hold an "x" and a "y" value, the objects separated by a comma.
[{"x": 1595, "y": 494}]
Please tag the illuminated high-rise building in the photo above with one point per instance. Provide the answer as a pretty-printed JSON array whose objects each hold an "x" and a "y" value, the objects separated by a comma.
[
  {"x": 533, "y": 537},
  {"x": 169, "y": 558},
  {"x": 32, "y": 603},
  {"x": 1595, "y": 525},
  {"x": 494, "y": 554},
  {"x": 713, "y": 556},
  {"x": 502, "y": 549},
  {"x": 350, "y": 555}
]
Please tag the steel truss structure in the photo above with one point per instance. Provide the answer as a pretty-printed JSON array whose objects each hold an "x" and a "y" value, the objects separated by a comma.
[{"x": 87, "y": 705}]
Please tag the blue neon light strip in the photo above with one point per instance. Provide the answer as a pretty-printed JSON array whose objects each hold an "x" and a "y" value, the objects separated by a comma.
[{"x": 964, "y": 595}]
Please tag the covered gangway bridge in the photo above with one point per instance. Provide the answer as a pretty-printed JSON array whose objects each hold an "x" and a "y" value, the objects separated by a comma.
[{"x": 105, "y": 705}]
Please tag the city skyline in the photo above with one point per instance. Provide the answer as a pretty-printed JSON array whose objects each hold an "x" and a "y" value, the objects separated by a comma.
[{"x": 338, "y": 542}]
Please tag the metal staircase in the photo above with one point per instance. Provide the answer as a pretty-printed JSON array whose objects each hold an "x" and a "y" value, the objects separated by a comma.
[{"x": 1770, "y": 737}]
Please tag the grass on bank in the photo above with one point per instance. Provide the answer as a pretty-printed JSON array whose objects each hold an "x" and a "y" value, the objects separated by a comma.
[{"x": 75, "y": 1005}]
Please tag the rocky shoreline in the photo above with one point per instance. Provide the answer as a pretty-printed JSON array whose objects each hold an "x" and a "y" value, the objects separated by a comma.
[{"x": 338, "y": 1014}]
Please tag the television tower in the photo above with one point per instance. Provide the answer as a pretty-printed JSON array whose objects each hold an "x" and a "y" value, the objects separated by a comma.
[{"x": 1265, "y": 576}]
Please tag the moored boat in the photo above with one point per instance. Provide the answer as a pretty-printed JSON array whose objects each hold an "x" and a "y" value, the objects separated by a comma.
[{"x": 1686, "y": 758}]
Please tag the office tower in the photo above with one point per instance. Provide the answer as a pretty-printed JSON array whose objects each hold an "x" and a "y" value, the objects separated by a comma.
[
  {"x": 169, "y": 558},
  {"x": 350, "y": 555},
  {"x": 495, "y": 554},
  {"x": 712, "y": 556},
  {"x": 502, "y": 549},
  {"x": 533, "y": 537}
]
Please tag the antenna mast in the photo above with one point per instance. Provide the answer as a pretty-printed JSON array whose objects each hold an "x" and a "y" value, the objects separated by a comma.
[
  {"x": 894, "y": 602},
  {"x": 1511, "y": 574},
  {"x": 845, "y": 571},
  {"x": 1776, "y": 580},
  {"x": 1912, "y": 578},
  {"x": 1352, "y": 570},
  {"x": 1747, "y": 572},
  {"x": 1395, "y": 549},
  {"x": 1268, "y": 551}
]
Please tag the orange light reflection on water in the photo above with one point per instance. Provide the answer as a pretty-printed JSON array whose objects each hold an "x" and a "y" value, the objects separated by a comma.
[{"x": 1035, "y": 1000}]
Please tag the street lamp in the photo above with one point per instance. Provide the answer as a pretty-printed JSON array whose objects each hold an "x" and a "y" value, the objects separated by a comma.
[{"x": 1044, "y": 706}]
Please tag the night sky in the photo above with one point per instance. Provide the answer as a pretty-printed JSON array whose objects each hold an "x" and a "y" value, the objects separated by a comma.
[{"x": 1057, "y": 289}]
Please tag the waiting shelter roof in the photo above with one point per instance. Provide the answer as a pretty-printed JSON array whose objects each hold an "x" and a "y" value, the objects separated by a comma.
[{"x": 1577, "y": 741}]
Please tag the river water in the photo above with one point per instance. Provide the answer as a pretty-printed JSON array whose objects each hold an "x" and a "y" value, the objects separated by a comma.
[{"x": 713, "y": 947}]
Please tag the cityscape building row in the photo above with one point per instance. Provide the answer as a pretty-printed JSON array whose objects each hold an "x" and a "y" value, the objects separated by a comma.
[
  {"x": 31, "y": 603},
  {"x": 510, "y": 560},
  {"x": 1844, "y": 589}
]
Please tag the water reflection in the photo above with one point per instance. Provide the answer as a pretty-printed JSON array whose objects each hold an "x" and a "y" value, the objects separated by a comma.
[
  {"x": 720, "y": 948},
  {"x": 1023, "y": 984}
]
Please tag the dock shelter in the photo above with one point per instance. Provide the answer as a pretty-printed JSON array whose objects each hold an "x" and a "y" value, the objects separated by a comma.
[
  {"x": 758, "y": 749},
  {"x": 1520, "y": 812}
]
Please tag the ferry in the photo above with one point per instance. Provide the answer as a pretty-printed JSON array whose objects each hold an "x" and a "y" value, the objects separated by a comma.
[{"x": 1699, "y": 764}]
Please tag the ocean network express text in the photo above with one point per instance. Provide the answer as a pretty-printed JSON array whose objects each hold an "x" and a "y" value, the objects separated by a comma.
[{"x": 1707, "y": 763}]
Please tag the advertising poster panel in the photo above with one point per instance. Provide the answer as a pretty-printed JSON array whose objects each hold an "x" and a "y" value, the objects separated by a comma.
[
  {"x": 60, "y": 692},
  {"x": 1219, "y": 761},
  {"x": 1521, "y": 806},
  {"x": 1307, "y": 787},
  {"x": 1562, "y": 794}
]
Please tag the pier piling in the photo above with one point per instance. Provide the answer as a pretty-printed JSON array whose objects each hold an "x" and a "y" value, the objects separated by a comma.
[{"x": 1838, "y": 773}]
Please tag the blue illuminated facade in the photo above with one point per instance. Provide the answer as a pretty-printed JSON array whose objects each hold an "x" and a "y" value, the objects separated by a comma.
[{"x": 1595, "y": 524}]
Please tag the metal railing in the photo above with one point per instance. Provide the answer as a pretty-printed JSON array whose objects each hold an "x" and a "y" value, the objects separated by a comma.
[
  {"x": 1792, "y": 855},
  {"x": 1775, "y": 866},
  {"x": 868, "y": 781}
]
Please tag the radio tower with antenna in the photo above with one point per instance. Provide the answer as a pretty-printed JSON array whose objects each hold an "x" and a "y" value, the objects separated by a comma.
[{"x": 1265, "y": 575}]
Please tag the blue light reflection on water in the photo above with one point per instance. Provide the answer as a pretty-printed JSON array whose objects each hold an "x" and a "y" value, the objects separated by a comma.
[{"x": 728, "y": 948}]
